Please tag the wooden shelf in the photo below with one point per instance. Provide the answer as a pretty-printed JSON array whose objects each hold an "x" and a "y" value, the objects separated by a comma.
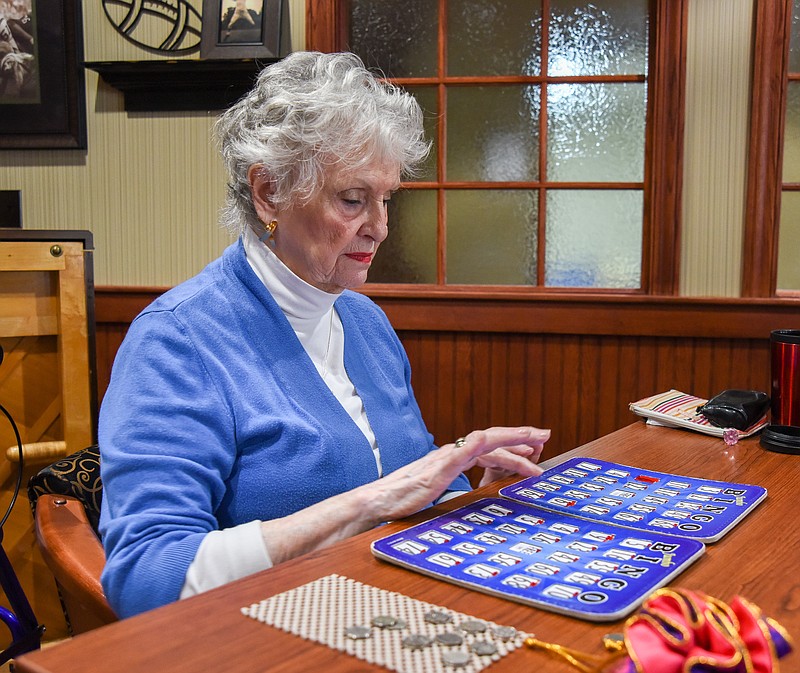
[{"x": 180, "y": 85}]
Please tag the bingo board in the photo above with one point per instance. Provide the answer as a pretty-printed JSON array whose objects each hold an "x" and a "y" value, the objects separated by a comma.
[
  {"x": 645, "y": 500},
  {"x": 593, "y": 570}
]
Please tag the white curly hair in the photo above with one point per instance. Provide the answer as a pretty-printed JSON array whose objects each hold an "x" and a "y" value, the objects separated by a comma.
[{"x": 306, "y": 114}]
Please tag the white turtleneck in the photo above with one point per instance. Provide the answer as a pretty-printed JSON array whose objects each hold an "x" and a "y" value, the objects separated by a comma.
[
  {"x": 313, "y": 318},
  {"x": 231, "y": 553}
]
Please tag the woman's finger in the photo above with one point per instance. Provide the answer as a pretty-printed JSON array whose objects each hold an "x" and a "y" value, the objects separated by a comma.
[
  {"x": 532, "y": 453},
  {"x": 509, "y": 461},
  {"x": 480, "y": 442}
]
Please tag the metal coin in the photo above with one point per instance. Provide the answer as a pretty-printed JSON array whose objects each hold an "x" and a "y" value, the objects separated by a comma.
[
  {"x": 384, "y": 621},
  {"x": 358, "y": 632},
  {"x": 483, "y": 648},
  {"x": 398, "y": 625},
  {"x": 473, "y": 626},
  {"x": 438, "y": 617},
  {"x": 449, "y": 639},
  {"x": 456, "y": 658},
  {"x": 417, "y": 641},
  {"x": 505, "y": 632}
]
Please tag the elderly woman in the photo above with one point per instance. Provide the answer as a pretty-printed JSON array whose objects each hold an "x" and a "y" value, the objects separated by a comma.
[{"x": 262, "y": 410}]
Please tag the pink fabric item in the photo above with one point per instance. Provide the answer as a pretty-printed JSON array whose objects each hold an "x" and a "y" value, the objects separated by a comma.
[{"x": 681, "y": 631}]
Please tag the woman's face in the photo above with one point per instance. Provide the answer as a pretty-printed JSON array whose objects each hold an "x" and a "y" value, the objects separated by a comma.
[{"x": 331, "y": 241}]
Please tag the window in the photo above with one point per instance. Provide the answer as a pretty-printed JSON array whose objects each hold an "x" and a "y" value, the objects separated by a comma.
[
  {"x": 772, "y": 234},
  {"x": 555, "y": 129}
]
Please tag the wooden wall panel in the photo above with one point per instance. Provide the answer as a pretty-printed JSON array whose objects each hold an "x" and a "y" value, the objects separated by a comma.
[
  {"x": 577, "y": 384},
  {"x": 108, "y": 339}
]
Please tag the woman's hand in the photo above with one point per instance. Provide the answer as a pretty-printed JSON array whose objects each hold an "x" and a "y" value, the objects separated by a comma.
[
  {"x": 501, "y": 451},
  {"x": 507, "y": 460}
]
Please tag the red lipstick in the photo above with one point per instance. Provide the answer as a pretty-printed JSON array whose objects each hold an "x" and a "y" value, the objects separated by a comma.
[{"x": 364, "y": 257}]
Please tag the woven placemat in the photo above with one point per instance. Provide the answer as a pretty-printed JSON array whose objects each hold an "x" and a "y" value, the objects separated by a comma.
[{"x": 327, "y": 609}]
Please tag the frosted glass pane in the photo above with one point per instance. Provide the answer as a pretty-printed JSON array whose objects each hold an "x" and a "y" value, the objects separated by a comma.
[
  {"x": 794, "y": 45},
  {"x": 426, "y": 97},
  {"x": 593, "y": 239},
  {"x": 491, "y": 237},
  {"x": 789, "y": 242},
  {"x": 399, "y": 37},
  {"x": 502, "y": 37},
  {"x": 791, "y": 139},
  {"x": 408, "y": 255},
  {"x": 599, "y": 38},
  {"x": 595, "y": 132},
  {"x": 492, "y": 133}
]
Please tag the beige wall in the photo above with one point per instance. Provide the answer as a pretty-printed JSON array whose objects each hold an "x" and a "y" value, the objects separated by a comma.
[
  {"x": 150, "y": 184},
  {"x": 717, "y": 122}
]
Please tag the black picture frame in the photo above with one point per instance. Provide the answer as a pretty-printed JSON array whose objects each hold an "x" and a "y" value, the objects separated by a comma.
[
  {"x": 48, "y": 109},
  {"x": 255, "y": 37}
]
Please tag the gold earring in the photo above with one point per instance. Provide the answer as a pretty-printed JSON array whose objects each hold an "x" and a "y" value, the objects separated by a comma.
[{"x": 269, "y": 229}]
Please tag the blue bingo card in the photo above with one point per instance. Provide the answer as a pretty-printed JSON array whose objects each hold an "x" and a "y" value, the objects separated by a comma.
[
  {"x": 592, "y": 570},
  {"x": 598, "y": 490}
]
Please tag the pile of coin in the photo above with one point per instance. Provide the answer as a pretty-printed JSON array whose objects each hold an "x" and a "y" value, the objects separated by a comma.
[{"x": 449, "y": 640}]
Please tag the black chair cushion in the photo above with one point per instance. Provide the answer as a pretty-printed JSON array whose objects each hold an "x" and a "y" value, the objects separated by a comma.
[{"x": 76, "y": 475}]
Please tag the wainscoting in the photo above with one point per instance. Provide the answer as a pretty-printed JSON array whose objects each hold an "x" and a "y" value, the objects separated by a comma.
[
  {"x": 579, "y": 386},
  {"x": 566, "y": 362}
]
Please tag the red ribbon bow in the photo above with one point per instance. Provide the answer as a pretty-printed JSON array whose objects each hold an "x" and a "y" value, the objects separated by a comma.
[{"x": 681, "y": 631}]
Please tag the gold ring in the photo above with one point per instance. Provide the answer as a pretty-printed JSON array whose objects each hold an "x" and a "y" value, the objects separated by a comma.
[{"x": 460, "y": 442}]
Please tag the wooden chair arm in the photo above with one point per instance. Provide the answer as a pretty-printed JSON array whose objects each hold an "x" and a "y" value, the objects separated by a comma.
[{"x": 75, "y": 556}]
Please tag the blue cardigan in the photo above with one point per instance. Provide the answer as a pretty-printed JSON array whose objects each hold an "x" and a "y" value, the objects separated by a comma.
[{"x": 215, "y": 416}]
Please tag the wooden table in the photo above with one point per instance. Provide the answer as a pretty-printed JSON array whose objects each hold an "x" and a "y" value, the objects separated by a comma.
[{"x": 759, "y": 559}]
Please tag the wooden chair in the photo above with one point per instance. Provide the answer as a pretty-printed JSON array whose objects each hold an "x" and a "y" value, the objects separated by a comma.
[{"x": 65, "y": 498}]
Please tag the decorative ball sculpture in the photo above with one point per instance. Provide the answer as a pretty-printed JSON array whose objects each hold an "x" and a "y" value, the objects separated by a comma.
[{"x": 161, "y": 26}]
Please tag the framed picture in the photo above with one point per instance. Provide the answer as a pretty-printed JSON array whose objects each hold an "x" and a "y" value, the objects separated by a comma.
[
  {"x": 241, "y": 29},
  {"x": 42, "y": 93}
]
